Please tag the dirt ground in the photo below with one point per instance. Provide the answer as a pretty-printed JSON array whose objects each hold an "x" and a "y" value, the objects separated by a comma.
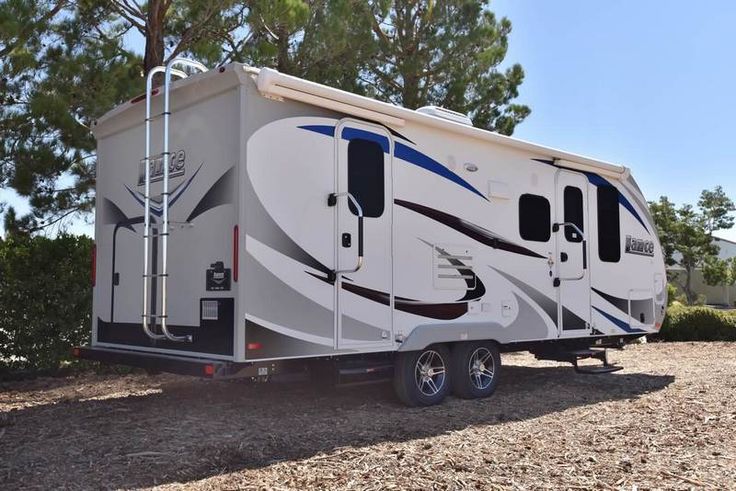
[{"x": 668, "y": 421}]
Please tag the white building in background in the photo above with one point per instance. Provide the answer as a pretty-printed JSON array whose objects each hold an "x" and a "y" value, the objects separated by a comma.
[{"x": 714, "y": 295}]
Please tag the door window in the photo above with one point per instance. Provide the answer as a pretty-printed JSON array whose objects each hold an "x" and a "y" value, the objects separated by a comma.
[
  {"x": 365, "y": 176},
  {"x": 573, "y": 203}
]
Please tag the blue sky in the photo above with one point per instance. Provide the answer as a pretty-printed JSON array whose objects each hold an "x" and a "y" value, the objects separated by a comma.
[{"x": 648, "y": 84}]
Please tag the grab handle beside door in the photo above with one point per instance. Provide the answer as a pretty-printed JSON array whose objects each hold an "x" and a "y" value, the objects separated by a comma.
[{"x": 332, "y": 201}]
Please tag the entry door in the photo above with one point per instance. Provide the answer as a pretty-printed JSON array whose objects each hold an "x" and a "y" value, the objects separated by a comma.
[
  {"x": 573, "y": 262},
  {"x": 363, "y": 286}
]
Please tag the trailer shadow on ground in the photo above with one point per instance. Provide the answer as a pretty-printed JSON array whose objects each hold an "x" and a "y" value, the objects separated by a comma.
[{"x": 168, "y": 429}]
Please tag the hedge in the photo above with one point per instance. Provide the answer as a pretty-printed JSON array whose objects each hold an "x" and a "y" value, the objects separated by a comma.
[
  {"x": 45, "y": 301},
  {"x": 698, "y": 323}
]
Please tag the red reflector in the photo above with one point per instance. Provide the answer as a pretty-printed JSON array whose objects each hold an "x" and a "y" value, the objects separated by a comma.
[
  {"x": 76, "y": 352},
  {"x": 209, "y": 370},
  {"x": 235, "y": 252},
  {"x": 142, "y": 97},
  {"x": 93, "y": 271},
  {"x": 253, "y": 346}
]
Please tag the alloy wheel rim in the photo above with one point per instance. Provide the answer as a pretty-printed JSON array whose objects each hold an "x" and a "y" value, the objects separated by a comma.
[
  {"x": 481, "y": 368},
  {"x": 429, "y": 373}
]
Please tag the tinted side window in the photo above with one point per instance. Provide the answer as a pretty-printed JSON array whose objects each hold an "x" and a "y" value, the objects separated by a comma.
[
  {"x": 573, "y": 201},
  {"x": 365, "y": 176},
  {"x": 534, "y": 218},
  {"x": 609, "y": 227}
]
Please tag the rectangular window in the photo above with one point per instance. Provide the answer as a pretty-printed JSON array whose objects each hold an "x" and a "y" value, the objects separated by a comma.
[
  {"x": 573, "y": 201},
  {"x": 609, "y": 226},
  {"x": 365, "y": 176},
  {"x": 534, "y": 218}
]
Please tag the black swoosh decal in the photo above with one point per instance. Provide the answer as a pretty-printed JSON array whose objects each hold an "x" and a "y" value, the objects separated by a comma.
[
  {"x": 473, "y": 231},
  {"x": 443, "y": 311},
  {"x": 220, "y": 193},
  {"x": 622, "y": 304}
]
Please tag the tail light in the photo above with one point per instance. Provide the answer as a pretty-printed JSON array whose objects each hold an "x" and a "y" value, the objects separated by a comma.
[
  {"x": 235, "y": 252},
  {"x": 93, "y": 271}
]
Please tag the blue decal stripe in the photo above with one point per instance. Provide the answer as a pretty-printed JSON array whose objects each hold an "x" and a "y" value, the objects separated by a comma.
[
  {"x": 412, "y": 156},
  {"x": 353, "y": 133},
  {"x": 401, "y": 151},
  {"x": 322, "y": 129},
  {"x": 621, "y": 324},
  {"x": 597, "y": 180}
]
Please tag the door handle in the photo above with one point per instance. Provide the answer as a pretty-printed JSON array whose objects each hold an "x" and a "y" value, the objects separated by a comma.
[
  {"x": 584, "y": 244},
  {"x": 332, "y": 201}
]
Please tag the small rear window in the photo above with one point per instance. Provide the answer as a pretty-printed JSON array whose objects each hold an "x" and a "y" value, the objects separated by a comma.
[{"x": 534, "y": 218}]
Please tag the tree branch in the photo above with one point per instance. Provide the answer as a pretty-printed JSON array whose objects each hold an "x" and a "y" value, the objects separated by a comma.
[{"x": 31, "y": 26}]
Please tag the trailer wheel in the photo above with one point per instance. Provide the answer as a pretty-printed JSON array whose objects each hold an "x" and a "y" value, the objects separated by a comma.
[
  {"x": 421, "y": 378},
  {"x": 475, "y": 369}
]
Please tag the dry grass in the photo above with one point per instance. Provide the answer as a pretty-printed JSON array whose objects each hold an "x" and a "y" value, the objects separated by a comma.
[{"x": 668, "y": 421}]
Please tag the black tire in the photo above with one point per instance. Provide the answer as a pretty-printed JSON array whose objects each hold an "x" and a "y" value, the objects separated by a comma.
[
  {"x": 417, "y": 380},
  {"x": 475, "y": 369}
]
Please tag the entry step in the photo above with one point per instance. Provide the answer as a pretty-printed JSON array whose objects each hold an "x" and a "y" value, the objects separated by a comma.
[{"x": 575, "y": 355}]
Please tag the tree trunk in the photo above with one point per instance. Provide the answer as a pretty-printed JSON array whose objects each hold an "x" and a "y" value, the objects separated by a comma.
[
  {"x": 154, "y": 54},
  {"x": 282, "y": 45},
  {"x": 688, "y": 286}
]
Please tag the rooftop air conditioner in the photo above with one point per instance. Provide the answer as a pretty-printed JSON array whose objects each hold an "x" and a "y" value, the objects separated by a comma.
[{"x": 441, "y": 112}]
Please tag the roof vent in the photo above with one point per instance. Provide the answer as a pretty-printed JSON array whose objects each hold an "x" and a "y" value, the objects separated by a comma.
[{"x": 441, "y": 112}]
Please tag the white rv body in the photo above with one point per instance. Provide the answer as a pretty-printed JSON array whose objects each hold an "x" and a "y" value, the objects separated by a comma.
[{"x": 460, "y": 241}]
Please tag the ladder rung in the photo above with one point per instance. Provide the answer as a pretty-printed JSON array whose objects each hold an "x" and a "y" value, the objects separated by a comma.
[
  {"x": 156, "y": 275},
  {"x": 157, "y": 316},
  {"x": 156, "y": 235},
  {"x": 159, "y": 115}
]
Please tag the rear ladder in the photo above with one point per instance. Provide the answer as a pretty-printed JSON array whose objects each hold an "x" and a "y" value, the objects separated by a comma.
[{"x": 150, "y": 319}]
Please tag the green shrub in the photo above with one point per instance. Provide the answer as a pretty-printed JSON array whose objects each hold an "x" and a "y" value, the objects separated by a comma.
[
  {"x": 672, "y": 294},
  {"x": 684, "y": 323},
  {"x": 45, "y": 300}
]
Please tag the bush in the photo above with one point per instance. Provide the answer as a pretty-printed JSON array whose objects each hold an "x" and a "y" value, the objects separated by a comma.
[
  {"x": 684, "y": 323},
  {"x": 45, "y": 300}
]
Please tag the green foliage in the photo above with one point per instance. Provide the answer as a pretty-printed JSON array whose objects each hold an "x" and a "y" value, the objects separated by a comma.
[
  {"x": 684, "y": 323},
  {"x": 447, "y": 54},
  {"x": 686, "y": 235},
  {"x": 716, "y": 209},
  {"x": 45, "y": 300},
  {"x": 718, "y": 271},
  {"x": 63, "y": 64},
  {"x": 672, "y": 294}
]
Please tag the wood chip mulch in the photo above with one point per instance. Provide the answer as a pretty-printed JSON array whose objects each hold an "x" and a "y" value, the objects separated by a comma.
[{"x": 668, "y": 421}]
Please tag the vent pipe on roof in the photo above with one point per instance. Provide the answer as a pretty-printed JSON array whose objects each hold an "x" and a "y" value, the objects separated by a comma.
[{"x": 441, "y": 112}]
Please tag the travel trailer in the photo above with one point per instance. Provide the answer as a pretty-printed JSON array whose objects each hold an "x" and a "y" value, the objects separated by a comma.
[{"x": 251, "y": 223}]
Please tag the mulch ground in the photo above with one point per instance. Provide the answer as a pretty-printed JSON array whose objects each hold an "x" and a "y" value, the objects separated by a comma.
[{"x": 668, "y": 421}]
